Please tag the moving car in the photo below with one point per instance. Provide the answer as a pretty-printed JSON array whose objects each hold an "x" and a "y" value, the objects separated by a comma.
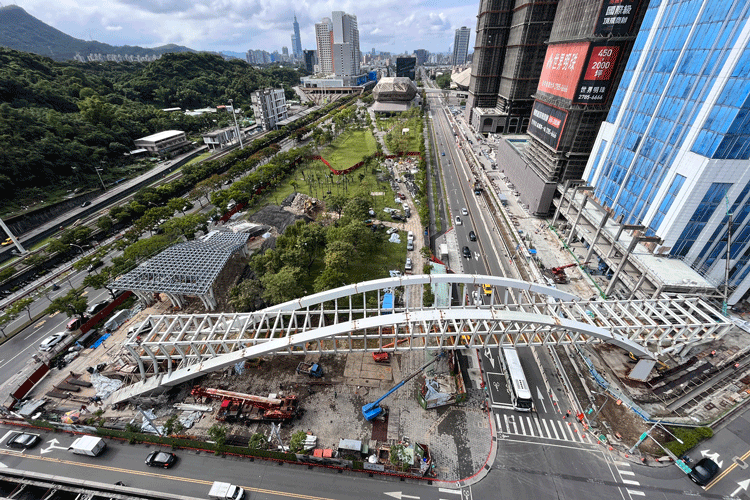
[
  {"x": 95, "y": 308},
  {"x": 161, "y": 459},
  {"x": 7, "y": 242},
  {"x": 464, "y": 211},
  {"x": 442, "y": 153},
  {"x": 23, "y": 440},
  {"x": 704, "y": 471},
  {"x": 94, "y": 265},
  {"x": 85, "y": 203},
  {"x": 458, "y": 220},
  {"x": 487, "y": 289},
  {"x": 472, "y": 236},
  {"x": 51, "y": 341},
  {"x": 467, "y": 253}
]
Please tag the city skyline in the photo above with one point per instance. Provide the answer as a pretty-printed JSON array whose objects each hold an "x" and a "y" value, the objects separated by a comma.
[{"x": 388, "y": 26}]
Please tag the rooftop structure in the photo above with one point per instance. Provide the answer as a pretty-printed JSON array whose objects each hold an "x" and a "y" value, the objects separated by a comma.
[
  {"x": 163, "y": 142},
  {"x": 184, "y": 269}
]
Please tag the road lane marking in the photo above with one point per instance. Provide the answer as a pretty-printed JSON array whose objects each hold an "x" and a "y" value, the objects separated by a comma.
[
  {"x": 538, "y": 427},
  {"x": 546, "y": 428},
  {"x": 725, "y": 472},
  {"x": 628, "y": 481},
  {"x": 626, "y": 472},
  {"x": 531, "y": 427},
  {"x": 520, "y": 423},
  {"x": 446, "y": 490},
  {"x": 635, "y": 492}
]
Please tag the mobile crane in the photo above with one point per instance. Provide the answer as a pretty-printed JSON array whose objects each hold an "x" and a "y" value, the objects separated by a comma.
[
  {"x": 373, "y": 410},
  {"x": 558, "y": 273}
]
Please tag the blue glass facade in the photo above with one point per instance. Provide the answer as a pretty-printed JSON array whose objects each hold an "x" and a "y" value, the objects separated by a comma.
[
  {"x": 680, "y": 67},
  {"x": 681, "y": 120}
]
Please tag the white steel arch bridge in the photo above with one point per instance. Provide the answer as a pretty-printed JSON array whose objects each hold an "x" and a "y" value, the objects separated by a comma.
[{"x": 172, "y": 349}]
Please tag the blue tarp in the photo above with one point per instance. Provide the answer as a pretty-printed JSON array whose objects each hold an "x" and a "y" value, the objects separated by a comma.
[{"x": 100, "y": 340}]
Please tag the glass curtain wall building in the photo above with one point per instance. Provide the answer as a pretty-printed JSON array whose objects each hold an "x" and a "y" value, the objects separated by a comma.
[{"x": 674, "y": 151}]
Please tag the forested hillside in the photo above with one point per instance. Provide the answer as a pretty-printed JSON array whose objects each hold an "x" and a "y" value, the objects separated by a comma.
[{"x": 58, "y": 121}]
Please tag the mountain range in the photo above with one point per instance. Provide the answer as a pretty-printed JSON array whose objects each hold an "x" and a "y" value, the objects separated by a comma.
[{"x": 20, "y": 30}]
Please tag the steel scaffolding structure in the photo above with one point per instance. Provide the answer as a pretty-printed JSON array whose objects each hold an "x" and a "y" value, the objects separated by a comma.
[
  {"x": 178, "y": 348},
  {"x": 185, "y": 269}
]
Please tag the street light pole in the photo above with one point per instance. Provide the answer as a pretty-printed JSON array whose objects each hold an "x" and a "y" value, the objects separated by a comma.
[
  {"x": 236, "y": 127},
  {"x": 100, "y": 178}
]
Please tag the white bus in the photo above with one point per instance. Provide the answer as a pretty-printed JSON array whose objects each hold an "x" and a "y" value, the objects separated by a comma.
[{"x": 518, "y": 388}]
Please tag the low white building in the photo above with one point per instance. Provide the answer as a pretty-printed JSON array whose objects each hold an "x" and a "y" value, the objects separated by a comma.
[
  {"x": 163, "y": 142},
  {"x": 219, "y": 138}
]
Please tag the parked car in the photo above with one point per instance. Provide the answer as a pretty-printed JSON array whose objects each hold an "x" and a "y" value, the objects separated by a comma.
[
  {"x": 75, "y": 323},
  {"x": 161, "y": 459},
  {"x": 95, "y": 308},
  {"x": 402, "y": 196},
  {"x": 442, "y": 153},
  {"x": 458, "y": 220},
  {"x": 467, "y": 253},
  {"x": 464, "y": 211},
  {"x": 51, "y": 341},
  {"x": 704, "y": 471},
  {"x": 472, "y": 236},
  {"x": 398, "y": 217},
  {"x": 23, "y": 440},
  {"x": 408, "y": 264},
  {"x": 391, "y": 230}
]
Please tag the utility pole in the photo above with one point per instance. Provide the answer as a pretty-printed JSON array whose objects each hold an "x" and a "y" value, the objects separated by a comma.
[
  {"x": 100, "y": 176},
  {"x": 729, "y": 254}
]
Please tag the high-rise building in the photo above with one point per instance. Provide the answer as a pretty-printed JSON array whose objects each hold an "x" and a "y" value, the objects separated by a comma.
[
  {"x": 461, "y": 45},
  {"x": 310, "y": 60},
  {"x": 284, "y": 51},
  {"x": 674, "y": 152},
  {"x": 508, "y": 56},
  {"x": 406, "y": 66},
  {"x": 324, "y": 41},
  {"x": 269, "y": 106},
  {"x": 338, "y": 44},
  {"x": 296, "y": 40},
  {"x": 421, "y": 55},
  {"x": 586, "y": 54}
]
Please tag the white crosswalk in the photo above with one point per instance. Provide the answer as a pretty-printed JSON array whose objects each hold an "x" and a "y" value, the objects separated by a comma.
[
  {"x": 622, "y": 469},
  {"x": 531, "y": 425}
]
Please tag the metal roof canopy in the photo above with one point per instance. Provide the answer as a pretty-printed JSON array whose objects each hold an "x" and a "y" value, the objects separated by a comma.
[
  {"x": 329, "y": 322},
  {"x": 185, "y": 268}
]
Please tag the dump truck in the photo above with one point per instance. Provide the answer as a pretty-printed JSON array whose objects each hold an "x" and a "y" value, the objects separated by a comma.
[
  {"x": 88, "y": 445},
  {"x": 311, "y": 369},
  {"x": 225, "y": 491}
]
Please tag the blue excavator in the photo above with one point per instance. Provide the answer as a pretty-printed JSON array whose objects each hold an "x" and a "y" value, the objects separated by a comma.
[{"x": 373, "y": 410}]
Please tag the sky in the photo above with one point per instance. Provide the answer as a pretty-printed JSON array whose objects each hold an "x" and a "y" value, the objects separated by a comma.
[{"x": 395, "y": 26}]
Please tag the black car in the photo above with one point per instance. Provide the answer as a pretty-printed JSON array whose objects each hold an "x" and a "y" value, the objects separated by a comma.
[
  {"x": 472, "y": 236},
  {"x": 161, "y": 459},
  {"x": 85, "y": 203},
  {"x": 467, "y": 253},
  {"x": 94, "y": 265},
  {"x": 398, "y": 217},
  {"x": 703, "y": 472},
  {"x": 23, "y": 440}
]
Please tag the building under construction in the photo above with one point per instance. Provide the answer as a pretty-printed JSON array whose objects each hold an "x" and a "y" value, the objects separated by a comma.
[
  {"x": 508, "y": 57},
  {"x": 588, "y": 49}
]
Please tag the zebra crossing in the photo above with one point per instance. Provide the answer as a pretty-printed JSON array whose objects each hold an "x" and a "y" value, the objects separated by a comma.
[
  {"x": 536, "y": 426},
  {"x": 624, "y": 471}
]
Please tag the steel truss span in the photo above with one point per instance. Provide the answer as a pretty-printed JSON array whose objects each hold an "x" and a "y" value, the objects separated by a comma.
[{"x": 351, "y": 319}]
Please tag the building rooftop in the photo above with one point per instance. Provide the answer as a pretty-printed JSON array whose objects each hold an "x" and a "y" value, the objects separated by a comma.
[{"x": 160, "y": 136}]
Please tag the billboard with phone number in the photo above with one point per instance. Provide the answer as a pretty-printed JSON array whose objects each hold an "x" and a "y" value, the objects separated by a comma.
[
  {"x": 547, "y": 123},
  {"x": 597, "y": 77},
  {"x": 616, "y": 17},
  {"x": 562, "y": 70}
]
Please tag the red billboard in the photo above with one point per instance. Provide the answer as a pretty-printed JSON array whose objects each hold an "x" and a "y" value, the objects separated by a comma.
[
  {"x": 600, "y": 66},
  {"x": 563, "y": 66}
]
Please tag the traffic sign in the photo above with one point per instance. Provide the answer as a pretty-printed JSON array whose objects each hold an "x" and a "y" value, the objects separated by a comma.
[{"x": 682, "y": 466}]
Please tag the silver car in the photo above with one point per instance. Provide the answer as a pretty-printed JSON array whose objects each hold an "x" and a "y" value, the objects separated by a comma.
[{"x": 51, "y": 341}]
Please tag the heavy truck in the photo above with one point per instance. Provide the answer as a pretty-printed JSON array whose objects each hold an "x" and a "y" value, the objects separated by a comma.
[{"x": 239, "y": 407}]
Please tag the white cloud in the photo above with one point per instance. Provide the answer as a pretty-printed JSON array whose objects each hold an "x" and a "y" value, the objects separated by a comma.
[{"x": 239, "y": 25}]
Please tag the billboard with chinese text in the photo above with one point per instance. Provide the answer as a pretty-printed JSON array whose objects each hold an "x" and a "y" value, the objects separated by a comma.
[
  {"x": 547, "y": 123},
  {"x": 597, "y": 76},
  {"x": 616, "y": 17},
  {"x": 562, "y": 70}
]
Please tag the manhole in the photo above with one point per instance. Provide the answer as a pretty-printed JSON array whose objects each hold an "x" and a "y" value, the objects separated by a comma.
[{"x": 741, "y": 463}]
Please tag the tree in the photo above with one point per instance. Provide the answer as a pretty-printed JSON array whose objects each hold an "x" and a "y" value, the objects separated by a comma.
[
  {"x": 7, "y": 272},
  {"x": 218, "y": 434},
  {"x": 246, "y": 296},
  {"x": 105, "y": 223},
  {"x": 173, "y": 426},
  {"x": 336, "y": 202},
  {"x": 72, "y": 304},
  {"x": 283, "y": 285},
  {"x": 297, "y": 442},
  {"x": 22, "y": 305},
  {"x": 5, "y": 319},
  {"x": 185, "y": 226},
  {"x": 35, "y": 260},
  {"x": 258, "y": 441},
  {"x": 97, "y": 280},
  {"x": 179, "y": 205}
]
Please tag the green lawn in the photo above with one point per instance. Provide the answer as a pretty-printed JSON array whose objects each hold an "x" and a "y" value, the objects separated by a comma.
[{"x": 349, "y": 148}]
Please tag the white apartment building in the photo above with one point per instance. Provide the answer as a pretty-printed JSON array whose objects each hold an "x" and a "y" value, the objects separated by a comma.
[
  {"x": 338, "y": 45},
  {"x": 269, "y": 106},
  {"x": 324, "y": 41}
]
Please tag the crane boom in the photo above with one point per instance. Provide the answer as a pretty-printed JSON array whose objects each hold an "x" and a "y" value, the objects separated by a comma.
[{"x": 373, "y": 410}]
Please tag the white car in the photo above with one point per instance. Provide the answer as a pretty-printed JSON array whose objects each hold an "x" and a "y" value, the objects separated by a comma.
[
  {"x": 464, "y": 211},
  {"x": 458, "y": 220},
  {"x": 51, "y": 341},
  {"x": 408, "y": 265}
]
